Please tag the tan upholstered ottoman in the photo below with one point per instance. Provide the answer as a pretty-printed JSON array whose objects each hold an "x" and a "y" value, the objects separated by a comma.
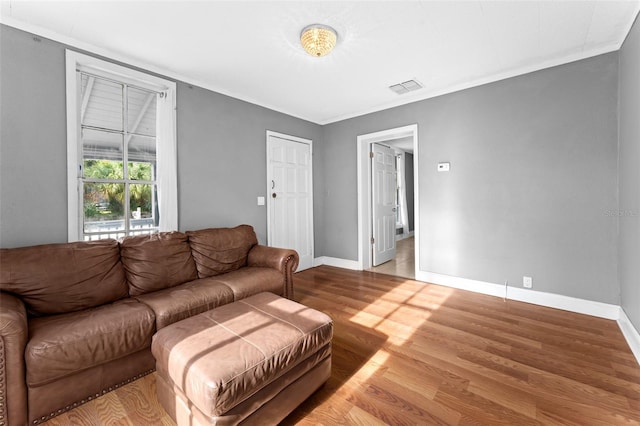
[{"x": 251, "y": 362}]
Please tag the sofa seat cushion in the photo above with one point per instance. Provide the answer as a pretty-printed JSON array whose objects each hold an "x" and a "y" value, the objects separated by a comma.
[
  {"x": 65, "y": 344},
  {"x": 60, "y": 278},
  {"x": 220, "y": 250},
  {"x": 157, "y": 261},
  {"x": 188, "y": 299},
  {"x": 252, "y": 280}
]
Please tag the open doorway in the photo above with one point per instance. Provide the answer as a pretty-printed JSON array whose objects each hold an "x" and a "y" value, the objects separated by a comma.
[
  {"x": 404, "y": 142},
  {"x": 384, "y": 203},
  {"x": 402, "y": 263}
]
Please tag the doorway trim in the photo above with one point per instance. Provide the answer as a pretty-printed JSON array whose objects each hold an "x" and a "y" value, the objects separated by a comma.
[{"x": 364, "y": 189}]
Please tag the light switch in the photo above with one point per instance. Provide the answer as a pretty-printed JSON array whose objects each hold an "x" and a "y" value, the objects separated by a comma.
[
  {"x": 443, "y": 167},
  {"x": 261, "y": 201}
]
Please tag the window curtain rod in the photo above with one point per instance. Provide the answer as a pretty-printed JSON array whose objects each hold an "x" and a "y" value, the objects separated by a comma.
[{"x": 161, "y": 93}]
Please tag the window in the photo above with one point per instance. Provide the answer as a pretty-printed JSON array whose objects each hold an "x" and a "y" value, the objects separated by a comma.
[{"x": 121, "y": 151}]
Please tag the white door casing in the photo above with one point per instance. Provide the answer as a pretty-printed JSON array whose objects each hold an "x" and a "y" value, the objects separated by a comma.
[
  {"x": 363, "y": 167},
  {"x": 384, "y": 206},
  {"x": 290, "y": 195}
]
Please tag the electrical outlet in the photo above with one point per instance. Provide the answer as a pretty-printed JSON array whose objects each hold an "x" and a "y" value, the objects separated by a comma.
[{"x": 527, "y": 282}]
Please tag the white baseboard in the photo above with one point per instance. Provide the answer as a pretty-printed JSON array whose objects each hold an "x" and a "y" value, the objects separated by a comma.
[
  {"x": 567, "y": 303},
  {"x": 461, "y": 283},
  {"x": 550, "y": 300},
  {"x": 338, "y": 263},
  {"x": 630, "y": 333}
]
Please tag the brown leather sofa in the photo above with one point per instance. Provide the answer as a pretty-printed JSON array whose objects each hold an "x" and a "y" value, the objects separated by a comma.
[{"x": 76, "y": 319}]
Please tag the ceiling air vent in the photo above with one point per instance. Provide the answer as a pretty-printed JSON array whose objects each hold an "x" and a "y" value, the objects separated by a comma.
[{"x": 406, "y": 87}]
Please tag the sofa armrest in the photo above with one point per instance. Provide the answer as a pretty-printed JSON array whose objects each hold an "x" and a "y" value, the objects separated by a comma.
[
  {"x": 284, "y": 260},
  {"x": 13, "y": 340}
]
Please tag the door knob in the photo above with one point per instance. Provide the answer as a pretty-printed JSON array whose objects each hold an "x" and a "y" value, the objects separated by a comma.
[{"x": 274, "y": 195}]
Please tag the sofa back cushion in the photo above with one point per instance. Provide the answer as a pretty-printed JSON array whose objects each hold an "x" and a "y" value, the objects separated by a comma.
[
  {"x": 154, "y": 262},
  {"x": 60, "y": 278},
  {"x": 220, "y": 250}
]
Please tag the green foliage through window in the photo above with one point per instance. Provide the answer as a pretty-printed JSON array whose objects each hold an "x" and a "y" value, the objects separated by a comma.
[{"x": 105, "y": 200}]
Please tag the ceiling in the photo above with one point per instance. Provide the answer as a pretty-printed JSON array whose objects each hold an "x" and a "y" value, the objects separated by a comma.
[{"x": 251, "y": 50}]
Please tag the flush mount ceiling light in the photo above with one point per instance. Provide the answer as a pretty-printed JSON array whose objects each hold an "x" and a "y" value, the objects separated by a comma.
[{"x": 318, "y": 40}]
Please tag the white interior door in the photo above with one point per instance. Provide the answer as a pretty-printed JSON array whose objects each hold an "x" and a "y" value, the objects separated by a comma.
[
  {"x": 290, "y": 196},
  {"x": 383, "y": 169}
]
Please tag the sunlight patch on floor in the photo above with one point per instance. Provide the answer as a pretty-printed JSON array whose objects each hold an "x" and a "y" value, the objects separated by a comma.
[
  {"x": 371, "y": 367},
  {"x": 391, "y": 319}
]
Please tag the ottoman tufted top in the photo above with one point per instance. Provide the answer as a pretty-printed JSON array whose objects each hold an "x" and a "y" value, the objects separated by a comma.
[{"x": 221, "y": 357}]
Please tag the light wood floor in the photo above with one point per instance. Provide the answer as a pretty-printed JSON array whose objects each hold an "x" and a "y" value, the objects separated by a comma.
[
  {"x": 408, "y": 353},
  {"x": 403, "y": 265}
]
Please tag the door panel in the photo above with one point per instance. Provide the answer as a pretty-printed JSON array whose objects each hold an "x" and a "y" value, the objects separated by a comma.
[
  {"x": 384, "y": 206},
  {"x": 290, "y": 204}
]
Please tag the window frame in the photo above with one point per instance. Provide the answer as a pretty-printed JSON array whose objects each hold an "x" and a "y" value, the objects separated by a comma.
[{"x": 166, "y": 145}]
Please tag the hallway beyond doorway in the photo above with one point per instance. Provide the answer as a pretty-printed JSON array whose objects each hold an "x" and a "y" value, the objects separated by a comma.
[{"x": 403, "y": 265}]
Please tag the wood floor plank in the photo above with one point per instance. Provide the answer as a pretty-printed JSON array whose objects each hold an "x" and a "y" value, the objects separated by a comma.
[
  {"x": 418, "y": 398},
  {"x": 563, "y": 412},
  {"x": 477, "y": 409},
  {"x": 110, "y": 409},
  {"x": 406, "y": 352},
  {"x": 359, "y": 417},
  {"x": 514, "y": 399}
]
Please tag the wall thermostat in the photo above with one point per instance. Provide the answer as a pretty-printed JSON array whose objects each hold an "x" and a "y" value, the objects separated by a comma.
[{"x": 443, "y": 167}]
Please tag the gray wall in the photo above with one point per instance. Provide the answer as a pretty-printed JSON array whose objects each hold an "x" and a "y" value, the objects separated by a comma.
[
  {"x": 532, "y": 185},
  {"x": 33, "y": 140},
  {"x": 221, "y": 148},
  {"x": 408, "y": 179},
  {"x": 222, "y": 158},
  {"x": 629, "y": 176},
  {"x": 533, "y": 175}
]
